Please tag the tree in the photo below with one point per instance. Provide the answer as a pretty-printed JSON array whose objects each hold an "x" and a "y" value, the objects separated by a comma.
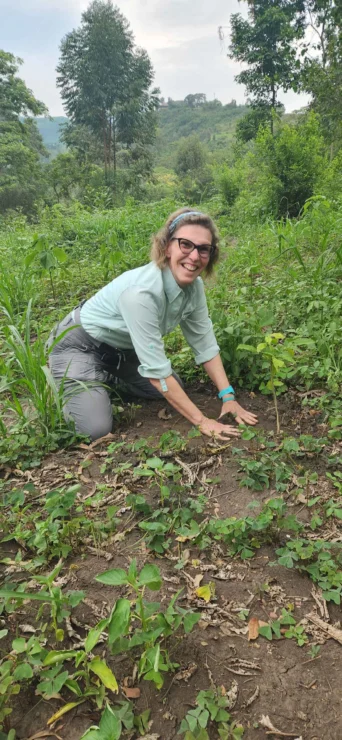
[
  {"x": 322, "y": 75},
  {"x": 191, "y": 156},
  {"x": 195, "y": 100},
  {"x": 105, "y": 82},
  {"x": 267, "y": 43},
  {"x": 21, "y": 145}
]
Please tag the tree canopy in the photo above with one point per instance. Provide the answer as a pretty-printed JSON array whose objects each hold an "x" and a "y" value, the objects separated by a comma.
[
  {"x": 105, "y": 82},
  {"x": 20, "y": 142}
]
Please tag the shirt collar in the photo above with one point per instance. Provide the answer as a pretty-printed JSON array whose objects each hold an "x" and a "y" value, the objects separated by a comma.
[{"x": 171, "y": 287}]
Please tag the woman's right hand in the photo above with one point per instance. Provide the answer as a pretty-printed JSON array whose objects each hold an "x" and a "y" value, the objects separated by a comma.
[{"x": 212, "y": 428}]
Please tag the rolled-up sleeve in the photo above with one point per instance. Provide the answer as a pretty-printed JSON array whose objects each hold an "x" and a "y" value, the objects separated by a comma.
[
  {"x": 140, "y": 313},
  {"x": 198, "y": 329}
]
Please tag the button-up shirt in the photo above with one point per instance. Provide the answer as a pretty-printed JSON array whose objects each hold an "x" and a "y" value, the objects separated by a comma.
[{"x": 140, "y": 306}]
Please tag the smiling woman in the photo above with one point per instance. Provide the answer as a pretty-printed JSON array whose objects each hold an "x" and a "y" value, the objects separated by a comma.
[{"x": 117, "y": 335}]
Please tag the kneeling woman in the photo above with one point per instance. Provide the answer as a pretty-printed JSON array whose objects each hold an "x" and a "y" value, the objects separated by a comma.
[{"x": 118, "y": 333}]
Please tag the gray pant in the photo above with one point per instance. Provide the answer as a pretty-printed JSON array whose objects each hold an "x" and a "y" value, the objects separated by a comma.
[{"x": 78, "y": 360}]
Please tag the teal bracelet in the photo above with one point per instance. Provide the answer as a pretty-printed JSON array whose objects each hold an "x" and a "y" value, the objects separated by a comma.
[{"x": 226, "y": 392}]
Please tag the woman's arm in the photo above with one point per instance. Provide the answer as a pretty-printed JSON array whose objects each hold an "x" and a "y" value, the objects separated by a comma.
[
  {"x": 182, "y": 403},
  {"x": 214, "y": 368}
]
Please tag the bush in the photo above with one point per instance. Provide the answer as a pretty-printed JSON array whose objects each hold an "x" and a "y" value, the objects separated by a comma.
[{"x": 281, "y": 172}]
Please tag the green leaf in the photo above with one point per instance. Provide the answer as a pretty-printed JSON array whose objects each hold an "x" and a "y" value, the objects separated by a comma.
[
  {"x": 60, "y": 254},
  {"x": 94, "y": 634},
  {"x": 100, "y": 668},
  {"x": 110, "y": 725},
  {"x": 155, "y": 463},
  {"x": 19, "y": 645},
  {"x": 42, "y": 596},
  {"x": 190, "y": 620},
  {"x": 56, "y": 656},
  {"x": 150, "y": 576},
  {"x": 114, "y": 577},
  {"x": 22, "y": 671},
  {"x": 266, "y": 631},
  {"x": 3, "y": 633},
  {"x": 118, "y": 622}
]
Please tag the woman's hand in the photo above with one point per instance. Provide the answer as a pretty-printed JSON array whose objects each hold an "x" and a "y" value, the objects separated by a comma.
[
  {"x": 241, "y": 415},
  {"x": 212, "y": 428}
]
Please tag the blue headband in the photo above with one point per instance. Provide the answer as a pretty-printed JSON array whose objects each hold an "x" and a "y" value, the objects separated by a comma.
[{"x": 174, "y": 223}]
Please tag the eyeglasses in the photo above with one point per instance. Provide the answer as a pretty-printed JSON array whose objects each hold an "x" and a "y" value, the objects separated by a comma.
[{"x": 205, "y": 251}]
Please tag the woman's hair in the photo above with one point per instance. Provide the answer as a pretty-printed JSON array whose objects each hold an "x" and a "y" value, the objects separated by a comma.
[{"x": 163, "y": 236}]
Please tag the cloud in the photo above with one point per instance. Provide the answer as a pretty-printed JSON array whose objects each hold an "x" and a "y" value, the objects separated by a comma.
[{"x": 180, "y": 36}]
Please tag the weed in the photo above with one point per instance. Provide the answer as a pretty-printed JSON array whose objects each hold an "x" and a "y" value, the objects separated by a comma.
[
  {"x": 211, "y": 710},
  {"x": 141, "y": 624}
]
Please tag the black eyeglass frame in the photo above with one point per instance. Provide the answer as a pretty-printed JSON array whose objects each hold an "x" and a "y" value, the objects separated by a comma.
[{"x": 209, "y": 253}]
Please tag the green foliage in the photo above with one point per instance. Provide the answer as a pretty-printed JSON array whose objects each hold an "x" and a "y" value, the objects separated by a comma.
[
  {"x": 154, "y": 625},
  {"x": 113, "y": 721},
  {"x": 104, "y": 81},
  {"x": 212, "y": 707},
  {"x": 20, "y": 142},
  {"x": 267, "y": 44}
]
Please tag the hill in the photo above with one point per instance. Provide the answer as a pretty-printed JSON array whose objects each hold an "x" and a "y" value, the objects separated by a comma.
[{"x": 213, "y": 123}]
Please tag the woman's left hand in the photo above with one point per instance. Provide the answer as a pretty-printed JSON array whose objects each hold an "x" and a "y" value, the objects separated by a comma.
[{"x": 240, "y": 415}]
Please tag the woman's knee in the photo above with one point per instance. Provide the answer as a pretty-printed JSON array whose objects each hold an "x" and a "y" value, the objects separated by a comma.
[{"x": 91, "y": 427}]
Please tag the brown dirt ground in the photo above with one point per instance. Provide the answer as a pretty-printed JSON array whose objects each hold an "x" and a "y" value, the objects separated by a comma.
[{"x": 300, "y": 695}]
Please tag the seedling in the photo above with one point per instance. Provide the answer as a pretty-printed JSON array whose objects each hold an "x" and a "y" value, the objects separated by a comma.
[
  {"x": 211, "y": 709},
  {"x": 140, "y": 624},
  {"x": 277, "y": 356}
]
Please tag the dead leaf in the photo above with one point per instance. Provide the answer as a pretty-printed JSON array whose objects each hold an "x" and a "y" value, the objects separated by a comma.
[
  {"x": 186, "y": 673},
  {"x": 27, "y": 628},
  {"x": 154, "y": 736},
  {"x": 131, "y": 693},
  {"x": 253, "y": 628},
  {"x": 251, "y": 698},
  {"x": 266, "y": 722},
  {"x": 197, "y": 580},
  {"x": 164, "y": 414},
  {"x": 232, "y": 695}
]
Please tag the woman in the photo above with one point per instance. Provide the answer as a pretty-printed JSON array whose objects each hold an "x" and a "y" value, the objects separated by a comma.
[{"x": 117, "y": 334}]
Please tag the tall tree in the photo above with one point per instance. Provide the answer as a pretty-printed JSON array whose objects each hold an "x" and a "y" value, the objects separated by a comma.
[
  {"x": 105, "y": 81},
  {"x": 267, "y": 43},
  {"x": 322, "y": 74},
  {"x": 20, "y": 142}
]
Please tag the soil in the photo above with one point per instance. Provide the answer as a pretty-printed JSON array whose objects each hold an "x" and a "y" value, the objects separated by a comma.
[{"x": 301, "y": 695}]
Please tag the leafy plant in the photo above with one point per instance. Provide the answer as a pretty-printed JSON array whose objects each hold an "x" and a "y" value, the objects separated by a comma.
[
  {"x": 211, "y": 708},
  {"x": 141, "y": 624}
]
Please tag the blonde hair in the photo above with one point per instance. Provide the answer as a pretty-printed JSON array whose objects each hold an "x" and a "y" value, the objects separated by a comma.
[{"x": 163, "y": 236}]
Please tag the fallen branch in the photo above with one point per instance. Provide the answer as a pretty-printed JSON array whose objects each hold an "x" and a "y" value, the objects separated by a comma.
[{"x": 331, "y": 631}]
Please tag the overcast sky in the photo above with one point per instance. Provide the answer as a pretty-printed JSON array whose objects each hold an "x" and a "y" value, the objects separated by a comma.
[{"x": 180, "y": 36}]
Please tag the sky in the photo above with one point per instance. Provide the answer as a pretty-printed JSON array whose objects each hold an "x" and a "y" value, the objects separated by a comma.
[{"x": 180, "y": 36}]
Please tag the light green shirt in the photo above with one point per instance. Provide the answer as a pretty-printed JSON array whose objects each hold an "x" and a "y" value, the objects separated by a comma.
[{"x": 140, "y": 306}]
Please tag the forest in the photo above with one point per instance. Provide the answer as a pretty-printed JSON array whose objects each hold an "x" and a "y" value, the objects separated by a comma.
[{"x": 157, "y": 583}]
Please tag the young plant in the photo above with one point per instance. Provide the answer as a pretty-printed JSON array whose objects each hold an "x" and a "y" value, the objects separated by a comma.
[
  {"x": 112, "y": 722},
  {"x": 141, "y": 624},
  {"x": 211, "y": 711},
  {"x": 277, "y": 356}
]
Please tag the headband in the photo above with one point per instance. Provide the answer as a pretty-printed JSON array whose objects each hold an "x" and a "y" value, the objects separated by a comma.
[{"x": 175, "y": 221}]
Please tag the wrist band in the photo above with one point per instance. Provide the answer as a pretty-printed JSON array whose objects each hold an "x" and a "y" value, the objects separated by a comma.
[{"x": 226, "y": 392}]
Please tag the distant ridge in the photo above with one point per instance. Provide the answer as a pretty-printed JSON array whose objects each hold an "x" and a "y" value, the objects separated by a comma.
[{"x": 211, "y": 121}]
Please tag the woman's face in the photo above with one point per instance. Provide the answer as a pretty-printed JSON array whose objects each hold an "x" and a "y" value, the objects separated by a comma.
[{"x": 186, "y": 267}]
